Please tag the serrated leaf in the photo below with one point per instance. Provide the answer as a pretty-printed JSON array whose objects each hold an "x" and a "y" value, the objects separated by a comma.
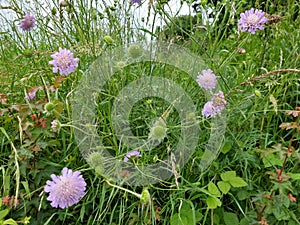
[
  {"x": 226, "y": 176},
  {"x": 230, "y": 218},
  {"x": 213, "y": 189},
  {"x": 237, "y": 182},
  {"x": 213, "y": 202},
  {"x": 224, "y": 186},
  {"x": 272, "y": 160}
]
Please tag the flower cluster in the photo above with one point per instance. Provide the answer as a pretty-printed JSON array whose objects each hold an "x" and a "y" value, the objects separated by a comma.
[
  {"x": 208, "y": 81},
  {"x": 136, "y": 1},
  {"x": 216, "y": 105},
  {"x": 55, "y": 125},
  {"x": 27, "y": 23},
  {"x": 133, "y": 153},
  {"x": 252, "y": 20},
  {"x": 64, "y": 62},
  {"x": 65, "y": 190}
]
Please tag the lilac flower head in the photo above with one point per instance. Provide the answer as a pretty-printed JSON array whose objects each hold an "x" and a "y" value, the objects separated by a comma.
[
  {"x": 55, "y": 125},
  {"x": 28, "y": 22},
  {"x": 65, "y": 190},
  {"x": 213, "y": 107},
  {"x": 31, "y": 95},
  {"x": 136, "y": 1},
  {"x": 208, "y": 109},
  {"x": 252, "y": 20},
  {"x": 133, "y": 153},
  {"x": 207, "y": 79},
  {"x": 64, "y": 62}
]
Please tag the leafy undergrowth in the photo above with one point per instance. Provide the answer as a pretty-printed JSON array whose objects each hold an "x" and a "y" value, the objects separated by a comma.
[{"x": 47, "y": 55}]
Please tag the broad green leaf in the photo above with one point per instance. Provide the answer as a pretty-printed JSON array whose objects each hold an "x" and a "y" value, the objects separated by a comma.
[
  {"x": 198, "y": 216},
  {"x": 272, "y": 160},
  {"x": 245, "y": 221},
  {"x": 230, "y": 218},
  {"x": 213, "y": 189},
  {"x": 187, "y": 211},
  {"x": 291, "y": 222},
  {"x": 280, "y": 213},
  {"x": 242, "y": 195},
  {"x": 228, "y": 175},
  {"x": 224, "y": 186},
  {"x": 3, "y": 213},
  {"x": 226, "y": 148},
  {"x": 237, "y": 182},
  {"x": 176, "y": 219},
  {"x": 213, "y": 202},
  {"x": 294, "y": 176},
  {"x": 10, "y": 222}
]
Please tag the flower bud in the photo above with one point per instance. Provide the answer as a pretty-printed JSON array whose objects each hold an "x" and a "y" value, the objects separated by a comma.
[
  {"x": 108, "y": 40},
  {"x": 49, "y": 107},
  {"x": 145, "y": 197}
]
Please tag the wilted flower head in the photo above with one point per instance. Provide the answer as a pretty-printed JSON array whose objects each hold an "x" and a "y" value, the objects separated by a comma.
[
  {"x": 252, "y": 20},
  {"x": 64, "y": 62},
  {"x": 31, "y": 95},
  {"x": 213, "y": 107},
  {"x": 28, "y": 22},
  {"x": 207, "y": 79},
  {"x": 65, "y": 190},
  {"x": 219, "y": 101},
  {"x": 133, "y": 153}
]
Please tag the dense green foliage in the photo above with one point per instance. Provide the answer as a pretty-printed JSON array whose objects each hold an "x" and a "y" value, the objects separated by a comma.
[{"x": 254, "y": 179}]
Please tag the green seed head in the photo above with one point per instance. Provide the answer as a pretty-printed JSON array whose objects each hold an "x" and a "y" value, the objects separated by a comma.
[
  {"x": 28, "y": 53},
  {"x": 158, "y": 131},
  {"x": 108, "y": 40},
  {"x": 121, "y": 64},
  {"x": 49, "y": 107},
  {"x": 145, "y": 198},
  {"x": 135, "y": 51},
  {"x": 95, "y": 159}
]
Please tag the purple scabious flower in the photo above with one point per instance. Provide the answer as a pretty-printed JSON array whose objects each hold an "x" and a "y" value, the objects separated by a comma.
[
  {"x": 252, "y": 20},
  {"x": 55, "y": 125},
  {"x": 133, "y": 153},
  {"x": 214, "y": 106},
  {"x": 28, "y": 22},
  {"x": 64, "y": 62},
  {"x": 136, "y": 1},
  {"x": 65, "y": 190},
  {"x": 208, "y": 109},
  {"x": 207, "y": 79}
]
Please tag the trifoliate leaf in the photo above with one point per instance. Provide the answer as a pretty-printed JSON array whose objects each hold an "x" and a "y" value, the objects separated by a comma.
[{"x": 224, "y": 186}]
